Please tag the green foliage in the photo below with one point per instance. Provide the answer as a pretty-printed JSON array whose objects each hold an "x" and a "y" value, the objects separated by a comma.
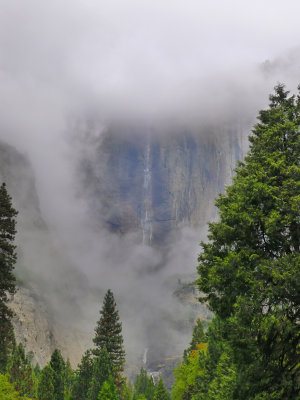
[
  {"x": 58, "y": 367},
  {"x": 45, "y": 389},
  {"x": 189, "y": 376},
  {"x": 20, "y": 372},
  {"x": 68, "y": 380},
  {"x": 125, "y": 391},
  {"x": 8, "y": 259},
  {"x": 198, "y": 337},
  {"x": 37, "y": 370},
  {"x": 223, "y": 385},
  {"x": 7, "y": 341},
  {"x": 108, "y": 390},
  {"x": 144, "y": 385},
  {"x": 7, "y": 390},
  {"x": 101, "y": 372},
  {"x": 83, "y": 377},
  {"x": 161, "y": 392},
  {"x": 109, "y": 333},
  {"x": 249, "y": 270}
]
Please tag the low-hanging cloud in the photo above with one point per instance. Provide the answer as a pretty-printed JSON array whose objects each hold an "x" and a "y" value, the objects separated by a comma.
[{"x": 174, "y": 62}]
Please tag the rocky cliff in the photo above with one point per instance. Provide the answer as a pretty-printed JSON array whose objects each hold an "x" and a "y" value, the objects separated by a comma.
[{"x": 154, "y": 180}]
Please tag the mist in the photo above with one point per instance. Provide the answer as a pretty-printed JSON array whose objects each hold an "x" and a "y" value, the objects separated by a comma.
[{"x": 191, "y": 64}]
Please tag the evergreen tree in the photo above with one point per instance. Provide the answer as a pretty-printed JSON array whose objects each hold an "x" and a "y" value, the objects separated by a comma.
[
  {"x": 144, "y": 385},
  {"x": 249, "y": 270},
  {"x": 197, "y": 338},
  {"x": 223, "y": 385},
  {"x": 7, "y": 390},
  {"x": 8, "y": 259},
  {"x": 37, "y": 370},
  {"x": 191, "y": 378},
  {"x": 102, "y": 371},
  {"x": 20, "y": 372},
  {"x": 109, "y": 333},
  {"x": 161, "y": 392},
  {"x": 83, "y": 377},
  {"x": 108, "y": 390},
  {"x": 126, "y": 390},
  {"x": 45, "y": 389},
  {"x": 58, "y": 367},
  {"x": 68, "y": 380}
]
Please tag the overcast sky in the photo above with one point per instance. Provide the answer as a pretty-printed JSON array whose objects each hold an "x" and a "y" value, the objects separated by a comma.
[{"x": 138, "y": 49}]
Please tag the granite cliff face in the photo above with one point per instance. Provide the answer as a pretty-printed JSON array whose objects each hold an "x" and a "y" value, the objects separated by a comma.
[{"x": 154, "y": 181}]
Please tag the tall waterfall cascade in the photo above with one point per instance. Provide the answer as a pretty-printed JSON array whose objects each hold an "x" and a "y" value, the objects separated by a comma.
[{"x": 146, "y": 217}]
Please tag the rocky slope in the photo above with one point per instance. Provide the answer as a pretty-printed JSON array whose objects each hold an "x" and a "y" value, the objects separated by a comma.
[{"x": 40, "y": 333}]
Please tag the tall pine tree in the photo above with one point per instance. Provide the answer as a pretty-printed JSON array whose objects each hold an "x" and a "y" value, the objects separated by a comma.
[
  {"x": 144, "y": 385},
  {"x": 83, "y": 377},
  {"x": 8, "y": 259},
  {"x": 161, "y": 392},
  {"x": 108, "y": 391},
  {"x": 249, "y": 270},
  {"x": 102, "y": 371},
  {"x": 20, "y": 372},
  {"x": 45, "y": 390},
  {"x": 109, "y": 333},
  {"x": 58, "y": 367}
]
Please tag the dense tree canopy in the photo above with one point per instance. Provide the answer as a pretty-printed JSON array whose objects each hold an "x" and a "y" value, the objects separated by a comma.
[
  {"x": 144, "y": 386},
  {"x": 102, "y": 371},
  {"x": 249, "y": 271},
  {"x": 8, "y": 259},
  {"x": 45, "y": 389},
  {"x": 58, "y": 367},
  {"x": 161, "y": 392},
  {"x": 7, "y": 391},
  {"x": 20, "y": 372}
]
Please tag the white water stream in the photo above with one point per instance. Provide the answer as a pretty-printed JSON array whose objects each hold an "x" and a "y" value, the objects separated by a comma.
[{"x": 146, "y": 218}]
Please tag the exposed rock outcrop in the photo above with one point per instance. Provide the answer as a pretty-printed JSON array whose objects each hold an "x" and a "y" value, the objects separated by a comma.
[{"x": 40, "y": 334}]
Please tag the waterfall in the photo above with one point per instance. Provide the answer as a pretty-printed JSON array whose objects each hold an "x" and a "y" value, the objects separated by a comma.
[
  {"x": 146, "y": 218},
  {"x": 145, "y": 356}
]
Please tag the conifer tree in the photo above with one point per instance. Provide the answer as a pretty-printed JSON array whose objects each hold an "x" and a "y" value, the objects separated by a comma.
[
  {"x": 7, "y": 390},
  {"x": 108, "y": 390},
  {"x": 197, "y": 338},
  {"x": 83, "y": 377},
  {"x": 68, "y": 380},
  {"x": 20, "y": 372},
  {"x": 8, "y": 259},
  {"x": 102, "y": 371},
  {"x": 249, "y": 270},
  {"x": 109, "y": 333},
  {"x": 45, "y": 389},
  {"x": 144, "y": 385},
  {"x": 161, "y": 392},
  {"x": 223, "y": 385},
  {"x": 58, "y": 367}
]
